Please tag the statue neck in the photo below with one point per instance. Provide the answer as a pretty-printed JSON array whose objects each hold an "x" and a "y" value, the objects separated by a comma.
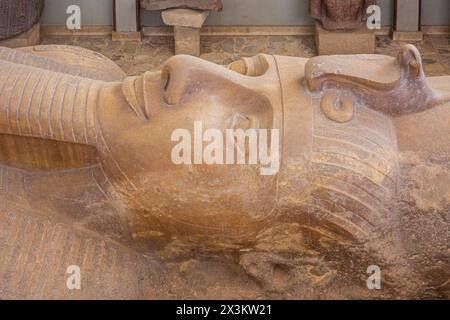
[{"x": 44, "y": 104}]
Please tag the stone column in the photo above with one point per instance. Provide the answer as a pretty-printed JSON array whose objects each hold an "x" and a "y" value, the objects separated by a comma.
[
  {"x": 127, "y": 22},
  {"x": 187, "y": 24},
  {"x": 407, "y": 20}
]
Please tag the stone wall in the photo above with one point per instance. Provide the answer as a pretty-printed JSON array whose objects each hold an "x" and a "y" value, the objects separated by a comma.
[{"x": 236, "y": 12}]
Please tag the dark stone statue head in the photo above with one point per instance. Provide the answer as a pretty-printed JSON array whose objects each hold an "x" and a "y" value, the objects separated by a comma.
[
  {"x": 17, "y": 16},
  {"x": 340, "y": 14}
]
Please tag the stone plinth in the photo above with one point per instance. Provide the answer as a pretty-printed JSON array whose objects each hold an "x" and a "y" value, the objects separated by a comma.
[
  {"x": 126, "y": 36},
  {"x": 127, "y": 26},
  {"x": 359, "y": 41},
  {"x": 407, "y": 36},
  {"x": 187, "y": 24},
  {"x": 30, "y": 38},
  {"x": 407, "y": 21}
]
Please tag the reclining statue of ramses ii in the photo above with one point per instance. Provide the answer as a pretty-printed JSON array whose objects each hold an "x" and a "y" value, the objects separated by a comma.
[{"x": 364, "y": 173}]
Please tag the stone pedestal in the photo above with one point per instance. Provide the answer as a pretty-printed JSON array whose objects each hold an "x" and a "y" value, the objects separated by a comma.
[
  {"x": 187, "y": 41},
  {"x": 407, "y": 36},
  {"x": 126, "y": 36},
  {"x": 360, "y": 41},
  {"x": 127, "y": 23},
  {"x": 407, "y": 21},
  {"x": 187, "y": 24},
  {"x": 30, "y": 38}
]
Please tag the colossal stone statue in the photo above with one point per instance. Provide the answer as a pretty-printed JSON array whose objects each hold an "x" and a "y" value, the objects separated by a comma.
[
  {"x": 340, "y": 14},
  {"x": 17, "y": 16},
  {"x": 87, "y": 177}
]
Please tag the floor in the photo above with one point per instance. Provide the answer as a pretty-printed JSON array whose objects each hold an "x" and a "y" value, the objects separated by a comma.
[{"x": 136, "y": 58}]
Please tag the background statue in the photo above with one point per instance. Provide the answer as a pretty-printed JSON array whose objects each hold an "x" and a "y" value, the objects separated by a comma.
[
  {"x": 18, "y": 16},
  {"x": 87, "y": 177},
  {"x": 340, "y": 14},
  {"x": 208, "y": 5}
]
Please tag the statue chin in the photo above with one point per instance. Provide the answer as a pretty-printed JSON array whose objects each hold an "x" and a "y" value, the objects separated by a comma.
[{"x": 345, "y": 152}]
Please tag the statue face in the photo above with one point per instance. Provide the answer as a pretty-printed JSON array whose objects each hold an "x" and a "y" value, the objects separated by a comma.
[
  {"x": 191, "y": 96},
  {"x": 322, "y": 117},
  {"x": 264, "y": 92}
]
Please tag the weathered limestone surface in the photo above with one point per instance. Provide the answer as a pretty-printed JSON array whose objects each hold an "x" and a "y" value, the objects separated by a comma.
[
  {"x": 357, "y": 41},
  {"x": 208, "y": 5},
  {"x": 86, "y": 177}
]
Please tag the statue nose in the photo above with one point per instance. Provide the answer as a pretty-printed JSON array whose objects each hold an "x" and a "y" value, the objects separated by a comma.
[
  {"x": 180, "y": 72},
  {"x": 183, "y": 74}
]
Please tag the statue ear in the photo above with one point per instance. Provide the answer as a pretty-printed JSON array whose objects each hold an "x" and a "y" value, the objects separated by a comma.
[{"x": 411, "y": 62}]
